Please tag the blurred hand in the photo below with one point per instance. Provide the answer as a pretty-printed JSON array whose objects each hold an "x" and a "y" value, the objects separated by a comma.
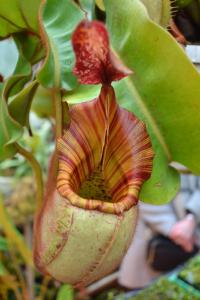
[{"x": 182, "y": 233}]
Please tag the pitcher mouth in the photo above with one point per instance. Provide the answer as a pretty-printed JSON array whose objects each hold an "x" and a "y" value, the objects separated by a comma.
[
  {"x": 125, "y": 203},
  {"x": 121, "y": 198}
]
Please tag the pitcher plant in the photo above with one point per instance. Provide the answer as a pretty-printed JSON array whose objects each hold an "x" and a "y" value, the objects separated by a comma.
[{"x": 87, "y": 222}]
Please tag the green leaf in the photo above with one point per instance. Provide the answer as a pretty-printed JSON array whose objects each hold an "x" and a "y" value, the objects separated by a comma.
[
  {"x": 82, "y": 93},
  {"x": 164, "y": 91},
  {"x": 43, "y": 103},
  {"x": 100, "y": 4},
  {"x": 3, "y": 244},
  {"x": 89, "y": 8},
  {"x": 164, "y": 182},
  {"x": 21, "y": 103},
  {"x": 159, "y": 11},
  {"x": 18, "y": 15},
  {"x": 10, "y": 130},
  {"x": 23, "y": 69},
  {"x": 30, "y": 46},
  {"x": 65, "y": 293},
  {"x": 15, "y": 115},
  {"x": 16, "y": 99},
  {"x": 183, "y": 3},
  {"x": 58, "y": 20},
  {"x": 13, "y": 235},
  {"x": 3, "y": 270}
]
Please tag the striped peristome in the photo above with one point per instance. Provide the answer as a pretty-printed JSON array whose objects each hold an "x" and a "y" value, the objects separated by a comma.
[{"x": 103, "y": 134}]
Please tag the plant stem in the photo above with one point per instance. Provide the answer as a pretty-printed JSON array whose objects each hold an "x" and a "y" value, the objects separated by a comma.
[
  {"x": 18, "y": 272},
  {"x": 17, "y": 294},
  {"x": 37, "y": 171},
  {"x": 56, "y": 95},
  {"x": 13, "y": 235},
  {"x": 58, "y": 112},
  {"x": 44, "y": 287}
]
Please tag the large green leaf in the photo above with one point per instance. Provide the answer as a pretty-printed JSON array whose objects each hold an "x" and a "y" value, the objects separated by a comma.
[
  {"x": 164, "y": 181},
  {"x": 58, "y": 20},
  {"x": 18, "y": 15},
  {"x": 164, "y": 91}
]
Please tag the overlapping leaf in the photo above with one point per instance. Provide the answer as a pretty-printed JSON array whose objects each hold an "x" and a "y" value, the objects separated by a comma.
[
  {"x": 14, "y": 116},
  {"x": 14, "y": 112},
  {"x": 30, "y": 46},
  {"x": 10, "y": 130},
  {"x": 20, "y": 105},
  {"x": 58, "y": 20}
]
